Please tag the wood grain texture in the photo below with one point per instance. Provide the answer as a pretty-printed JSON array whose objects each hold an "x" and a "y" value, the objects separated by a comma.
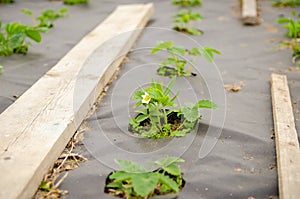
[
  {"x": 37, "y": 127},
  {"x": 249, "y": 12},
  {"x": 287, "y": 145}
]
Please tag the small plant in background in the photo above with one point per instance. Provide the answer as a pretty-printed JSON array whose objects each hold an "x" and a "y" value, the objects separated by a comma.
[
  {"x": 184, "y": 20},
  {"x": 176, "y": 65},
  {"x": 293, "y": 31},
  {"x": 6, "y": 1},
  {"x": 187, "y": 2},
  {"x": 74, "y": 2},
  {"x": 13, "y": 37},
  {"x": 47, "y": 17},
  {"x": 1, "y": 68},
  {"x": 285, "y": 3},
  {"x": 158, "y": 117},
  {"x": 134, "y": 181}
]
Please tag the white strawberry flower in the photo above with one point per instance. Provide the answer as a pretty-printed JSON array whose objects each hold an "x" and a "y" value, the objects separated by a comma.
[{"x": 146, "y": 98}]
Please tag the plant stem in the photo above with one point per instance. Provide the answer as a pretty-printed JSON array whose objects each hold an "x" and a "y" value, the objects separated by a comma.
[
  {"x": 165, "y": 116},
  {"x": 158, "y": 118},
  {"x": 181, "y": 125}
]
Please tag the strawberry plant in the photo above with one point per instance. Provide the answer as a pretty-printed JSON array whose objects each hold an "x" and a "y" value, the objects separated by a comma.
[
  {"x": 187, "y": 2},
  {"x": 293, "y": 31},
  {"x": 184, "y": 20},
  {"x": 176, "y": 65},
  {"x": 134, "y": 181},
  {"x": 284, "y": 3},
  {"x": 73, "y": 2},
  {"x": 47, "y": 17},
  {"x": 158, "y": 118},
  {"x": 6, "y": 1},
  {"x": 13, "y": 37}
]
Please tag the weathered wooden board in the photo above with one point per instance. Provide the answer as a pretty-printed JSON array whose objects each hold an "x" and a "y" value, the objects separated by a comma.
[
  {"x": 36, "y": 128},
  {"x": 249, "y": 12},
  {"x": 287, "y": 144}
]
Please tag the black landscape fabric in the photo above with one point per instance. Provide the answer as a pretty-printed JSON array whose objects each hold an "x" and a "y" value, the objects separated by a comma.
[{"x": 231, "y": 154}]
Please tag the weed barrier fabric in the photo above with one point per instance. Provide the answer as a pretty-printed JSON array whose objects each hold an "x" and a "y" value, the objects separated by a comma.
[{"x": 241, "y": 164}]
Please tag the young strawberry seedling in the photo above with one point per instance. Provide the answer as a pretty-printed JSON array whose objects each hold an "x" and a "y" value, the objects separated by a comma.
[
  {"x": 74, "y": 2},
  {"x": 176, "y": 65},
  {"x": 293, "y": 31},
  {"x": 134, "y": 181},
  {"x": 187, "y": 2},
  {"x": 285, "y": 3},
  {"x": 6, "y": 1},
  {"x": 47, "y": 17},
  {"x": 184, "y": 20},
  {"x": 13, "y": 37},
  {"x": 159, "y": 117}
]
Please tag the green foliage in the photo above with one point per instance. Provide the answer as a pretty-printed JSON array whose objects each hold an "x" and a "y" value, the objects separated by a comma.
[
  {"x": 285, "y": 3},
  {"x": 47, "y": 17},
  {"x": 137, "y": 182},
  {"x": 184, "y": 20},
  {"x": 292, "y": 24},
  {"x": 180, "y": 66},
  {"x": 13, "y": 38},
  {"x": 6, "y": 1},
  {"x": 46, "y": 186},
  {"x": 187, "y": 2},
  {"x": 74, "y": 2},
  {"x": 154, "y": 118},
  {"x": 1, "y": 68}
]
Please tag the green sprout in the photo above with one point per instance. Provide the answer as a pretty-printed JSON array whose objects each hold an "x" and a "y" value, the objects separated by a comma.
[
  {"x": 176, "y": 65},
  {"x": 47, "y": 17},
  {"x": 184, "y": 20},
  {"x": 134, "y": 181},
  {"x": 13, "y": 37},
  {"x": 293, "y": 31},
  {"x": 187, "y": 2},
  {"x": 158, "y": 116},
  {"x": 74, "y": 2},
  {"x": 285, "y": 3}
]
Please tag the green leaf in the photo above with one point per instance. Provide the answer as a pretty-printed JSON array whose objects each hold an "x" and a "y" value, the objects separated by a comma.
[
  {"x": 115, "y": 184},
  {"x": 34, "y": 35},
  {"x": 143, "y": 111},
  {"x": 46, "y": 186},
  {"x": 165, "y": 161},
  {"x": 144, "y": 183},
  {"x": 172, "y": 169},
  {"x": 141, "y": 118},
  {"x": 177, "y": 50},
  {"x": 129, "y": 166},
  {"x": 138, "y": 95},
  {"x": 190, "y": 112},
  {"x": 42, "y": 29},
  {"x": 120, "y": 175},
  {"x": 27, "y": 11},
  {"x": 162, "y": 45},
  {"x": 283, "y": 20},
  {"x": 1, "y": 68},
  {"x": 206, "y": 104},
  {"x": 195, "y": 51},
  {"x": 208, "y": 53},
  {"x": 16, "y": 40},
  {"x": 168, "y": 181},
  {"x": 170, "y": 86}
]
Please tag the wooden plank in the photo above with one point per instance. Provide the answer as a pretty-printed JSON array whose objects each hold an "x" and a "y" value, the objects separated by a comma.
[
  {"x": 249, "y": 12},
  {"x": 36, "y": 128},
  {"x": 287, "y": 145}
]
